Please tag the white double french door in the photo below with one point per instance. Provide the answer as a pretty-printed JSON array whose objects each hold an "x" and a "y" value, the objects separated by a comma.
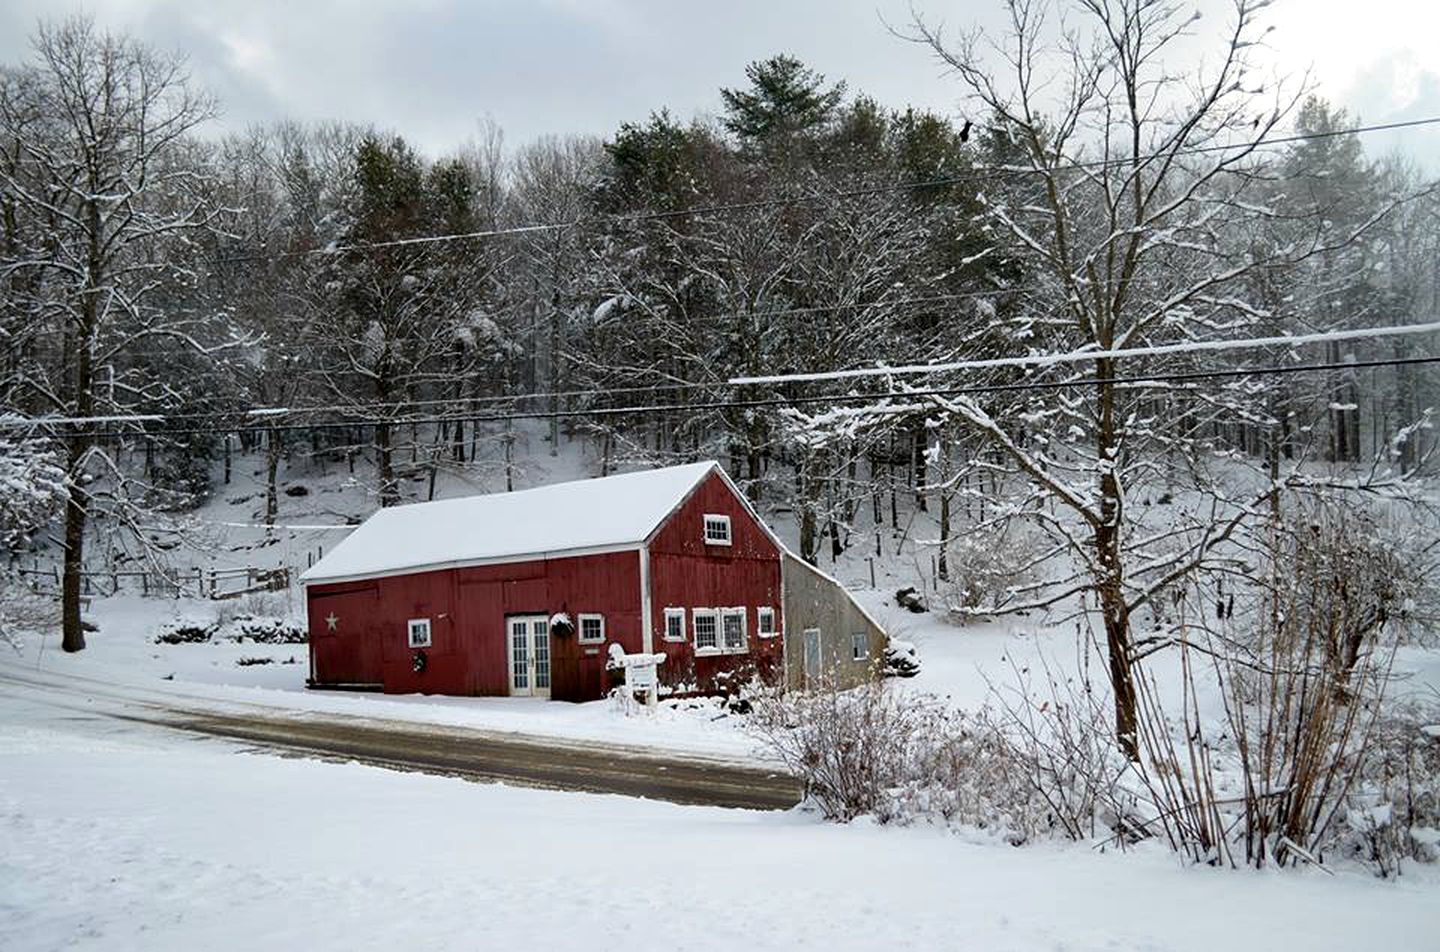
[{"x": 527, "y": 641}]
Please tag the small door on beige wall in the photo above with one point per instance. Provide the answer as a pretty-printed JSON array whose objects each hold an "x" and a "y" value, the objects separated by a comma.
[{"x": 812, "y": 656}]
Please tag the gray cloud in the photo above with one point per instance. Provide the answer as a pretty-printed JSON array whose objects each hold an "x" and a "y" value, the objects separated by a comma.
[{"x": 431, "y": 68}]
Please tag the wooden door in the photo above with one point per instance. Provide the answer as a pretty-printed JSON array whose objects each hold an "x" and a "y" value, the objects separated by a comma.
[
  {"x": 812, "y": 657},
  {"x": 527, "y": 649}
]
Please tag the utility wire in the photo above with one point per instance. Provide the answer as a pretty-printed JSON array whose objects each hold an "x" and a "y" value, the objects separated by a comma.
[
  {"x": 604, "y": 412},
  {"x": 971, "y": 174},
  {"x": 1045, "y": 360},
  {"x": 256, "y": 417}
]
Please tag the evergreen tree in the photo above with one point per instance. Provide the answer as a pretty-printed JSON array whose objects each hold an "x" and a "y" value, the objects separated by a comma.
[{"x": 785, "y": 99}]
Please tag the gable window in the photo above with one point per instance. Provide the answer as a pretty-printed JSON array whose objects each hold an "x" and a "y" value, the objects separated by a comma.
[
  {"x": 717, "y": 529},
  {"x": 592, "y": 628},
  {"x": 707, "y": 630},
  {"x": 674, "y": 624},
  {"x": 765, "y": 622},
  {"x": 859, "y": 646},
  {"x": 419, "y": 632},
  {"x": 733, "y": 629}
]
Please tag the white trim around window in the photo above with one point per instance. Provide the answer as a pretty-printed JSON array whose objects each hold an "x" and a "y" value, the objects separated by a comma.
[
  {"x": 417, "y": 631},
  {"x": 716, "y": 529},
  {"x": 765, "y": 622},
  {"x": 590, "y": 627},
  {"x": 674, "y": 624},
  {"x": 734, "y": 639},
  {"x": 720, "y": 631},
  {"x": 859, "y": 646},
  {"x": 705, "y": 622}
]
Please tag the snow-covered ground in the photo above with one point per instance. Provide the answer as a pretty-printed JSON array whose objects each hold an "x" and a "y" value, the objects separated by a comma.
[{"x": 116, "y": 837}]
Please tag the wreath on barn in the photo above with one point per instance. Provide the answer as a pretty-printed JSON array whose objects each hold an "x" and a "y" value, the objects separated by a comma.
[{"x": 561, "y": 626}]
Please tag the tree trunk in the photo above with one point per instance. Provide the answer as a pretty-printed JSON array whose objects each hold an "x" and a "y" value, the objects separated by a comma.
[
  {"x": 272, "y": 467},
  {"x": 917, "y": 450},
  {"x": 76, "y": 512},
  {"x": 389, "y": 490},
  {"x": 807, "y": 511},
  {"x": 77, "y": 503},
  {"x": 1111, "y": 567}
]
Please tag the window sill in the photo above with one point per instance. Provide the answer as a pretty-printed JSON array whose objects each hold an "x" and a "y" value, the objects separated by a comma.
[{"x": 716, "y": 652}]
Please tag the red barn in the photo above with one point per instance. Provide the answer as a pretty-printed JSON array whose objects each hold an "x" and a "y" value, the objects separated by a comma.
[{"x": 522, "y": 593}]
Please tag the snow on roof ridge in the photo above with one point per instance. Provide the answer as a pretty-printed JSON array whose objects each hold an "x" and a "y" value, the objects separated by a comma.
[{"x": 582, "y": 514}]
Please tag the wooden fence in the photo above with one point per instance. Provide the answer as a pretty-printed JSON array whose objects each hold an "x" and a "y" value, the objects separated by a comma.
[{"x": 196, "y": 583}]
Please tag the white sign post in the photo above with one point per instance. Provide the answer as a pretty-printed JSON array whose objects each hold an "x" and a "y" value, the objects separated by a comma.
[
  {"x": 644, "y": 677},
  {"x": 641, "y": 672}
]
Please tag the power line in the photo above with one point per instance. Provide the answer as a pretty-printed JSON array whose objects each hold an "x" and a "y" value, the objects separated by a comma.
[
  {"x": 971, "y": 174},
  {"x": 254, "y": 418},
  {"x": 604, "y": 412},
  {"x": 1046, "y": 360}
]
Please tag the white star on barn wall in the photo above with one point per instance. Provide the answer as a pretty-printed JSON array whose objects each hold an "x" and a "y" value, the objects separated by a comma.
[{"x": 331, "y": 621}]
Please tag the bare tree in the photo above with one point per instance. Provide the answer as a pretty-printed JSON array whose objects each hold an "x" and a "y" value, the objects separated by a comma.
[
  {"x": 1132, "y": 182},
  {"x": 96, "y": 129}
]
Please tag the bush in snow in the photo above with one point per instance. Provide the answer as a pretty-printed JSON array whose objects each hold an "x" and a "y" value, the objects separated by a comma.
[
  {"x": 985, "y": 565},
  {"x": 849, "y": 748},
  {"x": 265, "y": 630},
  {"x": 239, "y": 628},
  {"x": 1279, "y": 776},
  {"x": 22, "y": 610},
  {"x": 1059, "y": 725},
  {"x": 32, "y": 489},
  {"x": 903, "y": 758},
  {"x": 901, "y": 660},
  {"x": 186, "y": 632},
  {"x": 968, "y": 771},
  {"x": 1394, "y": 815}
]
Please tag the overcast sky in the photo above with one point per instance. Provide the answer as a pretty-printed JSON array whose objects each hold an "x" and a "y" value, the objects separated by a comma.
[{"x": 430, "y": 68}]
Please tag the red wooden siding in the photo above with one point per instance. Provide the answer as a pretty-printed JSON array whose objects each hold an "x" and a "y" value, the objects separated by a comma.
[
  {"x": 467, "y": 610},
  {"x": 687, "y": 573}
]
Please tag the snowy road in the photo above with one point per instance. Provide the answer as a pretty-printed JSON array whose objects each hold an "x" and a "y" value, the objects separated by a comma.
[{"x": 434, "y": 749}]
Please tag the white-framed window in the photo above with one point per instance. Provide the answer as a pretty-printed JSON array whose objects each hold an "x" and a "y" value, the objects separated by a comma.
[
  {"x": 859, "y": 646},
  {"x": 707, "y": 630},
  {"x": 592, "y": 628},
  {"x": 717, "y": 529},
  {"x": 674, "y": 624},
  {"x": 732, "y": 629},
  {"x": 418, "y": 630},
  {"x": 765, "y": 622}
]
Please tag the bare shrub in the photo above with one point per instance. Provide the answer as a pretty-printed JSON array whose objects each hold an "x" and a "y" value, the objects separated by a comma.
[
  {"x": 972, "y": 773},
  {"x": 1300, "y": 685},
  {"x": 22, "y": 611},
  {"x": 1061, "y": 739},
  {"x": 1395, "y": 814},
  {"x": 254, "y": 604},
  {"x": 847, "y": 747},
  {"x": 987, "y": 564},
  {"x": 902, "y": 757}
]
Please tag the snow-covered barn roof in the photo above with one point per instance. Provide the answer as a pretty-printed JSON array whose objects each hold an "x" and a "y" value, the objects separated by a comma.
[{"x": 559, "y": 519}]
